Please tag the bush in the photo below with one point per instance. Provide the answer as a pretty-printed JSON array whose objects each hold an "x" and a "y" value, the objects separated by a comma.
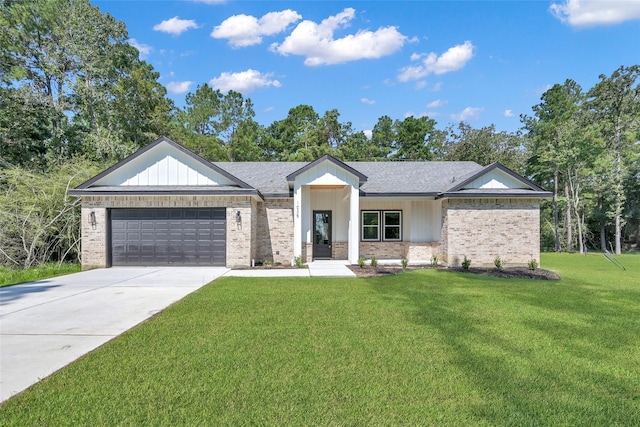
[
  {"x": 499, "y": 263},
  {"x": 434, "y": 261},
  {"x": 298, "y": 262},
  {"x": 533, "y": 264},
  {"x": 466, "y": 263},
  {"x": 374, "y": 261},
  {"x": 405, "y": 262},
  {"x": 361, "y": 262}
]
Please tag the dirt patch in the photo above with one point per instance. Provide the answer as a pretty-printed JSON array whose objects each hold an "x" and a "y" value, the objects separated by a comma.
[{"x": 509, "y": 272}]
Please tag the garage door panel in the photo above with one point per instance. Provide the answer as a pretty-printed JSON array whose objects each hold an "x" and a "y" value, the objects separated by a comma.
[{"x": 168, "y": 236}]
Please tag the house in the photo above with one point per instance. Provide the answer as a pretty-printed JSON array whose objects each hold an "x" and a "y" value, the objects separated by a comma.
[{"x": 164, "y": 205}]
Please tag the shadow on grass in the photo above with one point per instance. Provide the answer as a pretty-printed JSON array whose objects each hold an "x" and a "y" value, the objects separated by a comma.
[{"x": 538, "y": 353}]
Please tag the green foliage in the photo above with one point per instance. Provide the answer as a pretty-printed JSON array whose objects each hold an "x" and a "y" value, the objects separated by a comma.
[
  {"x": 466, "y": 263},
  {"x": 298, "y": 262},
  {"x": 532, "y": 264},
  {"x": 499, "y": 263},
  {"x": 12, "y": 276},
  {"x": 39, "y": 221},
  {"x": 361, "y": 262},
  {"x": 374, "y": 261},
  {"x": 434, "y": 261},
  {"x": 405, "y": 262}
]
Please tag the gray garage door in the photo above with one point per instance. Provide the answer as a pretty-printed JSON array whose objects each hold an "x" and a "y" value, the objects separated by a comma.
[{"x": 168, "y": 236}]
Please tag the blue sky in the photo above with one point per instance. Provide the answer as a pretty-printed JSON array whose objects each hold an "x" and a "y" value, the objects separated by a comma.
[{"x": 482, "y": 62}]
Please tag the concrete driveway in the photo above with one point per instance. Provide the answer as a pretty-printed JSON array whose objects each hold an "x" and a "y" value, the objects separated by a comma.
[{"x": 45, "y": 325}]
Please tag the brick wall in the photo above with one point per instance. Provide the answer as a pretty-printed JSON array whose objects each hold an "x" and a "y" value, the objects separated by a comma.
[
  {"x": 241, "y": 237},
  {"x": 483, "y": 229},
  {"x": 274, "y": 221}
]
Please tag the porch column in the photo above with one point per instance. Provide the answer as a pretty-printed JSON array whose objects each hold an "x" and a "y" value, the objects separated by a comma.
[
  {"x": 354, "y": 225},
  {"x": 297, "y": 221}
]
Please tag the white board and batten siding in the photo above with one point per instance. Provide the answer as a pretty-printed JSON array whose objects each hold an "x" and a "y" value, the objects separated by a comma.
[
  {"x": 164, "y": 166},
  {"x": 421, "y": 219},
  {"x": 496, "y": 179}
]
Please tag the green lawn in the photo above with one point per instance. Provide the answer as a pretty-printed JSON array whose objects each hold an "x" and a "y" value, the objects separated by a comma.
[
  {"x": 419, "y": 348},
  {"x": 14, "y": 276}
]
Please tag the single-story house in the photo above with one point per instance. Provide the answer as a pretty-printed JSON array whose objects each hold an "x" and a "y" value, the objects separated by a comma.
[{"x": 164, "y": 205}]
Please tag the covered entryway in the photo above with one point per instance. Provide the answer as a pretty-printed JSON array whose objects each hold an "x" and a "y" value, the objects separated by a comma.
[
  {"x": 175, "y": 236},
  {"x": 322, "y": 234}
]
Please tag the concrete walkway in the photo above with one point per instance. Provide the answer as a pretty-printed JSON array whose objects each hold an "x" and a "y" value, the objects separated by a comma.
[
  {"x": 328, "y": 268},
  {"x": 46, "y": 325}
]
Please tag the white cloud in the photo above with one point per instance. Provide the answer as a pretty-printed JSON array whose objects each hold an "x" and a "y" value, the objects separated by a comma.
[
  {"x": 453, "y": 59},
  {"x": 368, "y": 133},
  {"x": 437, "y": 103},
  {"x": 315, "y": 41},
  {"x": 144, "y": 49},
  {"x": 581, "y": 13},
  {"x": 245, "y": 30},
  {"x": 508, "y": 113},
  {"x": 243, "y": 82},
  {"x": 179, "y": 87},
  {"x": 175, "y": 25},
  {"x": 421, "y": 85},
  {"x": 437, "y": 87},
  {"x": 367, "y": 101},
  {"x": 468, "y": 113}
]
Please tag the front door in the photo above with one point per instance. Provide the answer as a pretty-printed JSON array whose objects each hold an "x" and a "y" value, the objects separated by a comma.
[{"x": 321, "y": 234}]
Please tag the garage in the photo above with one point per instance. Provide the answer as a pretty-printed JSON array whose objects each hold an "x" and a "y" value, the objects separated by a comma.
[{"x": 176, "y": 236}]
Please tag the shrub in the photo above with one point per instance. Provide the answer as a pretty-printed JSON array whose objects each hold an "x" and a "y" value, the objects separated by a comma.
[
  {"x": 361, "y": 262},
  {"x": 298, "y": 262},
  {"x": 374, "y": 261},
  {"x": 434, "y": 261},
  {"x": 499, "y": 263},
  {"x": 466, "y": 263},
  {"x": 405, "y": 262},
  {"x": 533, "y": 264}
]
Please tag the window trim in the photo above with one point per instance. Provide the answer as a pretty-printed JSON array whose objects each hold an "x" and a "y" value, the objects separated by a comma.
[
  {"x": 363, "y": 225},
  {"x": 382, "y": 226}
]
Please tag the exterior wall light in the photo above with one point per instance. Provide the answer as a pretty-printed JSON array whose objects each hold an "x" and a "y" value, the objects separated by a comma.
[
  {"x": 238, "y": 217},
  {"x": 92, "y": 219}
]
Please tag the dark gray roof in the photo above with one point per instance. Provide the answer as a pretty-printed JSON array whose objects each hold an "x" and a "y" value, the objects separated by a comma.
[{"x": 383, "y": 177}]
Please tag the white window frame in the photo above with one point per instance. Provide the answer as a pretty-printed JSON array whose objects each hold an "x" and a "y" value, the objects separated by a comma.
[
  {"x": 381, "y": 227},
  {"x": 384, "y": 226},
  {"x": 378, "y": 227}
]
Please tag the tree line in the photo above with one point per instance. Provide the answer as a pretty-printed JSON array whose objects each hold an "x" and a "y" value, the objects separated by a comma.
[{"x": 75, "y": 98}]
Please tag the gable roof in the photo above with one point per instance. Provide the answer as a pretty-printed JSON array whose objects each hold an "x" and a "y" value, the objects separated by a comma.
[
  {"x": 466, "y": 189},
  {"x": 327, "y": 158},
  {"x": 95, "y": 186}
]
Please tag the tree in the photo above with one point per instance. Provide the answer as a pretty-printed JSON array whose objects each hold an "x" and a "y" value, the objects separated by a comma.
[
  {"x": 39, "y": 221},
  {"x": 412, "y": 138},
  {"x": 615, "y": 104},
  {"x": 74, "y": 62},
  {"x": 485, "y": 146},
  {"x": 383, "y": 138},
  {"x": 545, "y": 132}
]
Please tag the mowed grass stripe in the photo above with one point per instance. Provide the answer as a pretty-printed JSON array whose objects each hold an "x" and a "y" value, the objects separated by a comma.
[{"x": 422, "y": 347}]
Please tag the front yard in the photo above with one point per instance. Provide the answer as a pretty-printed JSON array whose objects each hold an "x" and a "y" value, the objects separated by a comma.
[{"x": 422, "y": 347}]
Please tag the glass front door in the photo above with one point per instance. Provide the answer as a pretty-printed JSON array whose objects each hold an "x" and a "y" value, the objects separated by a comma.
[{"x": 321, "y": 234}]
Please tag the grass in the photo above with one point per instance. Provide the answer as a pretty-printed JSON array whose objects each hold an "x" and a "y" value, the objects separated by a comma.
[
  {"x": 418, "y": 348},
  {"x": 14, "y": 276}
]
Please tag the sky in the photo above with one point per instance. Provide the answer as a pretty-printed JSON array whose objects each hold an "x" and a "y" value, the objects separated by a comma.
[{"x": 482, "y": 62}]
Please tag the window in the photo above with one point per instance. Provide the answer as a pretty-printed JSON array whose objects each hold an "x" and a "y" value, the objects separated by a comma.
[
  {"x": 392, "y": 225},
  {"x": 370, "y": 225},
  {"x": 381, "y": 225}
]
